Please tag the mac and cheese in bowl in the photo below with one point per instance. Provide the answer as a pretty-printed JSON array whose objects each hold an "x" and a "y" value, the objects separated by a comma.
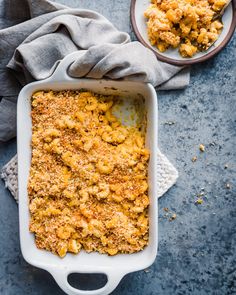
[
  {"x": 189, "y": 25},
  {"x": 88, "y": 178}
]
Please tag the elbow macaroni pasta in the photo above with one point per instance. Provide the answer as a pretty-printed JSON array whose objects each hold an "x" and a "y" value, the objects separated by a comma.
[
  {"x": 187, "y": 24},
  {"x": 88, "y": 178}
]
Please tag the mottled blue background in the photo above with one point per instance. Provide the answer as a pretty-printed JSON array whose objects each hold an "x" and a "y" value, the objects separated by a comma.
[{"x": 197, "y": 251}]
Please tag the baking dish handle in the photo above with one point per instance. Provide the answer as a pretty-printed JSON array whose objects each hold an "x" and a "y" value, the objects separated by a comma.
[
  {"x": 113, "y": 279},
  {"x": 60, "y": 73}
]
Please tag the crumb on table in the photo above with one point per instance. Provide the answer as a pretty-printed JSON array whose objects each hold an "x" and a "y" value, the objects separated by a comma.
[
  {"x": 194, "y": 159},
  {"x": 202, "y": 148},
  {"x": 173, "y": 217},
  {"x": 199, "y": 201}
]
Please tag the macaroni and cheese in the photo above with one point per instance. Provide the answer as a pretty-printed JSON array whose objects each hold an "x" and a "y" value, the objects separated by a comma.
[
  {"x": 187, "y": 24},
  {"x": 88, "y": 178}
]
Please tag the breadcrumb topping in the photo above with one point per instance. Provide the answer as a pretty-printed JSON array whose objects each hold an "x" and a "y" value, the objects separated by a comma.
[{"x": 88, "y": 178}]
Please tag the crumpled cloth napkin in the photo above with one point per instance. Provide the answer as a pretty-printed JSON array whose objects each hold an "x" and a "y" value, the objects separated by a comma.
[
  {"x": 31, "y": 50},
  {"x": 44, "y": 32}
]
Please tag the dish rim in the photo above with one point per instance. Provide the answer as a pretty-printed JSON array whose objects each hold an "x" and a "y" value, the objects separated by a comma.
[{"x": 177, "y": 62}]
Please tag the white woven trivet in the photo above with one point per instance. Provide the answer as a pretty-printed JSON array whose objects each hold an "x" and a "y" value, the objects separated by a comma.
[{"x": 166, "y": 175}]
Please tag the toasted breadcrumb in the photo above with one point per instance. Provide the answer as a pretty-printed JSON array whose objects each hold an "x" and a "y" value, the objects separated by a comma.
[
  {"x": 194, "y": 159},
  {"x": 199, "y": 201},
  {"x": 88, "y": 178},
  {"x": 202, "y": 148},
  {"x": 173, "y": 217}
]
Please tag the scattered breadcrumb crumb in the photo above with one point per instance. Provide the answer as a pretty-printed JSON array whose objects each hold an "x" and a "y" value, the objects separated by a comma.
[
  {"x": 202, "y": 147},
  {"x": 173, "y": 217},
  {"x": 226, "y": 166},
  {"x": 194, "y": 159},
  {"x": 146, "y": 270},
  {"x": 170, "y": 215},
  {"x": 169, "y": 123},
  {"x": 199, "y": 201}
]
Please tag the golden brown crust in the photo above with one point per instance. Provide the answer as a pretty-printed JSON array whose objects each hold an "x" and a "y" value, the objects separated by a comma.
[{"x": 88, "y": 178}]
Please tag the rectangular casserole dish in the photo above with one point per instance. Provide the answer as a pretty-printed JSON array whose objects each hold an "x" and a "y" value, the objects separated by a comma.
[{"x": 114, "y": 267}]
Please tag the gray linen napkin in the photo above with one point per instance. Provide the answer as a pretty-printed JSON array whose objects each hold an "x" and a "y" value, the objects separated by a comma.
[{"x": 39, "y": 33}]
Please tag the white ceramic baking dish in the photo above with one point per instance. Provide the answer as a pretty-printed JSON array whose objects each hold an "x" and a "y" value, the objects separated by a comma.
[{"x": 114, "y": 267}]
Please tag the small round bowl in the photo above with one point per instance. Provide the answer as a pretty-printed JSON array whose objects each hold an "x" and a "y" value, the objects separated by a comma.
[{"x": 172, "y": 56}]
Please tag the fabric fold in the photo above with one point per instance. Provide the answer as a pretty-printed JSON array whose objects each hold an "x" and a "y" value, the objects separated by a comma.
[{"x": 49, "y": 31}]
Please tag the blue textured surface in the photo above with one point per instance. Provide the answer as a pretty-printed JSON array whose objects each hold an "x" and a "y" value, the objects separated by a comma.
[{"x": 197, "y": 251}]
